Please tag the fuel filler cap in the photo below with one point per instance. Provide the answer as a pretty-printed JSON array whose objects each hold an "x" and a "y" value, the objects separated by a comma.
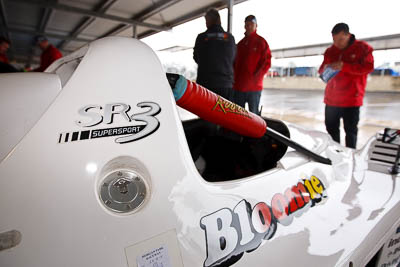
[{"x": 123, "y": 191}]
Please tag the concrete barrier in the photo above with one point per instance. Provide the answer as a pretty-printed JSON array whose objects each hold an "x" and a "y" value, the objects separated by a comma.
[{"x": 375, "y": 83}]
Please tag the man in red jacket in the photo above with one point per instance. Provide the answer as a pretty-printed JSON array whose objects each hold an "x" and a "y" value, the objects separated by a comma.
[
  {"x": 253, "y": 59},
  {"x": 4, "y": 46},
  {"x": 5, "y": 65},
  {"x": 344, "y": 93},
  {"x": 49, "y": 55}
]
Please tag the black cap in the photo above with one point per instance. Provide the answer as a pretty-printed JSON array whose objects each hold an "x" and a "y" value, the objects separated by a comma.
[
  {"x": 40, "y": 38},
  {"x": 340, "y": 27},
  {"x": 4, "y": 40},
  {"x": 251, "y": 18}
]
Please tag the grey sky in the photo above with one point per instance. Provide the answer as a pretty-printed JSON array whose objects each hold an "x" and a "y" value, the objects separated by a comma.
[{"x": 289, "y": 23}]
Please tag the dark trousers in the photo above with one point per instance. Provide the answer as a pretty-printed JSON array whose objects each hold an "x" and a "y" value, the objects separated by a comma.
[
  {"x": 350, "y": 116},
  {"x": 226, "y": 93},
  {"x": 252, "y": 98}
]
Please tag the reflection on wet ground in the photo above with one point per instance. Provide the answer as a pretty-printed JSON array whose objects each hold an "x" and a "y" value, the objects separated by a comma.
[{"x": 306, "y": 108}]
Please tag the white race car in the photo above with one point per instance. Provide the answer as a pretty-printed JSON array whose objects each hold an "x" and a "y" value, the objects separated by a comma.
[{"x": 98, "y": 169}]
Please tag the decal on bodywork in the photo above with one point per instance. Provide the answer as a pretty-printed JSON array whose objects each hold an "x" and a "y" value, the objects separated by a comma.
[
  {"x": 230, "y": 233},
  {"x": 129, "y": 133},
  {"x": 390, "y": 253}
]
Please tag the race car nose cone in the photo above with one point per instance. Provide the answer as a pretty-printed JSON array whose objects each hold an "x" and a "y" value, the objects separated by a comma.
[{"x": 123, "y": 191}]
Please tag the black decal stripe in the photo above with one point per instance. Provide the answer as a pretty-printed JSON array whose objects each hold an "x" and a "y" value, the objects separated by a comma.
[
  {"x": 74, "y": 136},
  {"x": 66, "y": 137},
  {"x": 84, "y": 135}
]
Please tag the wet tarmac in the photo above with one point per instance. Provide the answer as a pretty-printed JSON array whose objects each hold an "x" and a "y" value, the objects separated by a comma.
[{"x": 306, "y": 108}]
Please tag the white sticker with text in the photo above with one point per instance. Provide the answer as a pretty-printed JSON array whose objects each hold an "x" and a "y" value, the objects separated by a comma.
[{"x": 155, "y": 258}]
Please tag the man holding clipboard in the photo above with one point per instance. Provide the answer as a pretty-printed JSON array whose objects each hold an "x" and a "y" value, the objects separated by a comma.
[{"x": 345, "y": 68}]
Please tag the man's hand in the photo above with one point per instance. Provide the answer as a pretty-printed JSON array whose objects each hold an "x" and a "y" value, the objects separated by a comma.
[{"x": 337, "y": 65}]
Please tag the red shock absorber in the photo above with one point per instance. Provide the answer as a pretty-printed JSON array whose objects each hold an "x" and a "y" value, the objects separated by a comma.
[{"x": 214, "y": 108}]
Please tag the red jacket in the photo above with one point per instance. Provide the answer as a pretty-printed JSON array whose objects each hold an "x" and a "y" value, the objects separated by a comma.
[
  {"x": 48, "y": 56},
  {"x": 4, "y": 59},
  {"x": 347, "y": 88},
  {"x": 253, "y": 59}
]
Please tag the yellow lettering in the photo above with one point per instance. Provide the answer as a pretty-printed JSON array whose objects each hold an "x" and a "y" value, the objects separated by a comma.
[
  {"x": 310, "y": 189},
  {"x": 220, "y": 104},
  {"x": 317, "y": 185},
  {"x": 227, "y": 106}
]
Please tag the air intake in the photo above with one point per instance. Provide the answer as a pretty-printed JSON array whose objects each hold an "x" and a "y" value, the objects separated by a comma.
[{"x": 384, "y": 152}]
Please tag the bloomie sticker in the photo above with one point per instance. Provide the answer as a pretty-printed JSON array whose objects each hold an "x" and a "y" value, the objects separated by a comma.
[{"x": 230, "y": 233}]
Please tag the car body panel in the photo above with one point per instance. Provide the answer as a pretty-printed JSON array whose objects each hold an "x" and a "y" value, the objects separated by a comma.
[{"x": 23, "y": 107}]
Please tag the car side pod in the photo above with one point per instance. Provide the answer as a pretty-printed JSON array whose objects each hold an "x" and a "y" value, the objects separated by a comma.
[{"x": 214, "y": 108}]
